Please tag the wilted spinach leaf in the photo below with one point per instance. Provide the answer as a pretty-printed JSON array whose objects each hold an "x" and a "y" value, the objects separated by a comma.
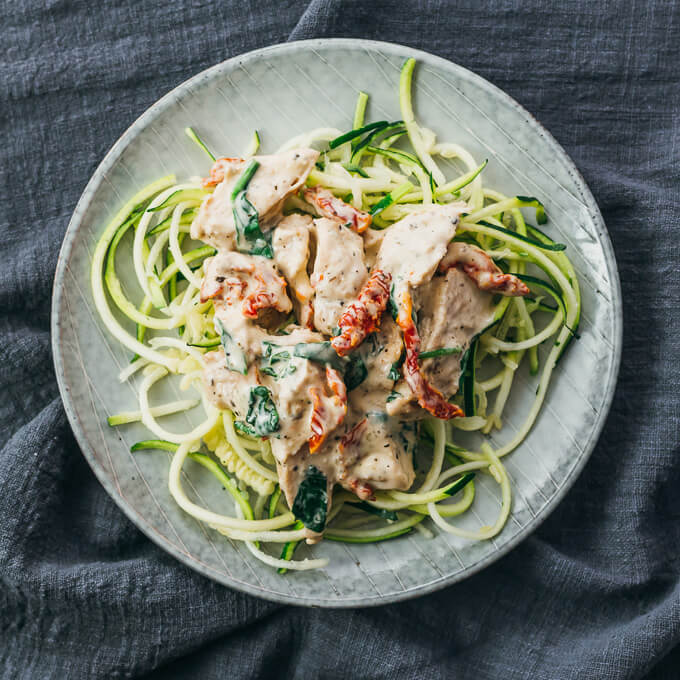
[
  {"x": 311, "y": 501},
  {"x": 234, "y": 355},
  {"x": 275, "y": 361},
  {"x": 249, "y": 236},
  {"x": 352, "y": 368},
  {"x": 392, "y": 305},
  {"x": 355, "y": 372},
  {"x": 244, "y": 428},
  {"x": 262, "y": 415},
  {"x": 394, "y": 372},
  {"x": 321, "y": 352}
]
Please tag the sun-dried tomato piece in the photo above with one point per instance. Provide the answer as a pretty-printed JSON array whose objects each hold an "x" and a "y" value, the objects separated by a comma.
[
  {"x": 482, "y": 270},
  {"x": 336, "y": 209},
  {"x": 353, "y": 437},
  {"x": 318, "y": 422},
  {"x": 362, "y": 489},
  {"x": 220, "y": 169},
  {"x": 430, "y": 398},
  {"x": 325, "y": 419},
  {"x": 337, "y": 385},
  {"x": 362, "y": 316}
]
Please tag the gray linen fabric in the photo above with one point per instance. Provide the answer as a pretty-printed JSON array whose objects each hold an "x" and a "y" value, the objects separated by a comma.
[{"x": 595, "y": 593}]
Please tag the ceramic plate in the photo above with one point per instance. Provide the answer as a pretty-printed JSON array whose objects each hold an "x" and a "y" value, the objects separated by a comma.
[{"x": 282, "y": 91}]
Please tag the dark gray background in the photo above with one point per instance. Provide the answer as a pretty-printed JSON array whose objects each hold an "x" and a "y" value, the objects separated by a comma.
[{"x": 594, "y": 593}]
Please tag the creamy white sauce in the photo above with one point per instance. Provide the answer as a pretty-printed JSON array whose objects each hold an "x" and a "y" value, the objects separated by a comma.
[
  {"x": 365, "y": 448},
  {"x": 412, "y": 248}
]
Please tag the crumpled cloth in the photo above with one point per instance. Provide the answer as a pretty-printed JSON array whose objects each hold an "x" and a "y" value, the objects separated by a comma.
[{"x": 594, "y": 593}]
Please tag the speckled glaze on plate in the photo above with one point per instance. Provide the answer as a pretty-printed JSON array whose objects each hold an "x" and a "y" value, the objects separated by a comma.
[{"x": 279, "y": 90}]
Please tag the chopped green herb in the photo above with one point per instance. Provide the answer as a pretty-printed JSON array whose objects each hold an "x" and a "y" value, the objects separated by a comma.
[{"x": 392, "y": 396}]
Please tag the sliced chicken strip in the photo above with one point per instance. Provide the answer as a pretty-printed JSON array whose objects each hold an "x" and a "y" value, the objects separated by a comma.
[
  {"x": 291, "y": 255},
  {"x": 429, "y": 397},
  {"x": 339, "y": 272},
  {"x": 451, "y": 311},
  {"x": 277, "y": 177}
]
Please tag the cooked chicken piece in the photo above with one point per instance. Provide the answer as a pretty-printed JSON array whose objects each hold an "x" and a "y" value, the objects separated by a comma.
[
  {"x": 451, "y": 311},
  {"x": 339, "y": 272},
  {"x": 428, "y": 396},
  {"x": 482, "y": 270},
  {"x": 250, "y": 280},
  {"x": 376, "y": 452},
  {"x": 408, "y": 257},
  {"x": 291, "y": 255},
  {"x": 277, "y": 177},
  {"x": 312, "y": 402},
  {"x": 412, "y": 248},
  {"x": 380, "y": 353},
  {"x": 336, "y": 209},
  {"x": 228, "y": 389},
  {"x": 372, "y": 452}
]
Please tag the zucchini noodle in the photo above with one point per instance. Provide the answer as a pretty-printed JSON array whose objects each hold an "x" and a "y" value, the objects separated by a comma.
[{"x": 379, "y": 173}]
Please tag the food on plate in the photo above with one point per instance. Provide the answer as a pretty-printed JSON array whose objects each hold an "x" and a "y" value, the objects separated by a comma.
[{"x": 350, "y": 319}]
